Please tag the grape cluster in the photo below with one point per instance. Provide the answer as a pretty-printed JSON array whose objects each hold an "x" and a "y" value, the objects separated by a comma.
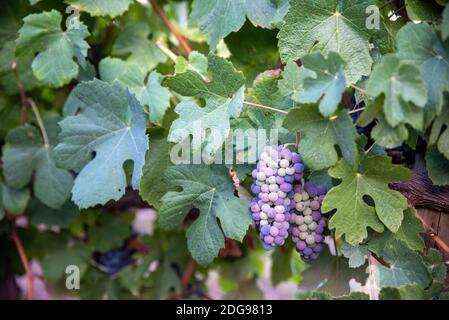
[
  {"x": 307, "y": 222},
  {"x": 277, "y": 170},
  {"x": 284, "y": 204}
]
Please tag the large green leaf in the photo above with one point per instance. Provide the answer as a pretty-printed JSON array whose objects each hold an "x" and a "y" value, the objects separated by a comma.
[
  {"x": 210, "y": 190},
  {"x": 329, "y": 25},
  {"x": 109, "y": 234},
  {"x": 54, "y": 64},
  {"x": 218, "y": 18},
  {"x": 157, "y": 161},
  {"x": 25, "y": 154},
  {"x": 385, "y": 135},
  {"x": 406, "y": 266},
  {"x": 328, "y": 81},
  {"x": 320, "y": 135},
  {"x": 23, "y": 69},
  {"x": 292, "y": 82},
  {"x": 411, "y": 292},
  {"x": 437, "y": 166},
  {"x": 331, "y": 274},
  {"x": 172, "y": 256},
  {"x": 421, "y": 10},
  {"x": 130, "y": 76},
  {"x": 11, "y": 200},
  {"x": 219, "y": 84},
  {"x": 409, "y": 232},
  {"x": 110, "y": 8},
  {"x": 55, "y": 262},
  {"x": 432, "y": 57},
  {"x": 357, "y": 255},
  {"x": 112, "y": 124},
  {"x": 224, "y": 95},
  {"x": 405, "y": 92},
  {"x": 134, "y": 44},
  {"x": 38, "y": 213},
  {"x": 370, "y": 179}
]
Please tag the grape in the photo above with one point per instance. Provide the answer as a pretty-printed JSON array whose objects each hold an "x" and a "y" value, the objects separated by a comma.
[
  {"x": 276, "y": 171},
  {"x": 307, "y": 223},
  {"x": 115, "y": 260}
]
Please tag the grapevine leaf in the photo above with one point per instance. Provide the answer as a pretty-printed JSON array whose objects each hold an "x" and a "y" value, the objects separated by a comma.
[
  {"x": 109, "y": 234},
  {"x": 293, "y": 79},
  {"x": 197, "y": 62},
  {"x": 388, "y": 137},
  {"x": 328, "y": 25},
  {"x": 320, "y": 135},
  {"x": 112, "y": 124},
  {"x": 411, "y": 292},
  {"x": 23, "y": 65},
  {"x": 409, "y": 232},
  {"x": 437, "y": 166},
  {"x": 445, "y": 24},
  {"x": 133, "y": 44},
  {"x": 218, "y": 18},
  {"x": 354, "y": 215},
  {"x": 328, "y": 81},
  {"x": 165, "y": 277},
  {"x": 357, "y": 255},
  {"x": 55, "y": 263},
  {"x": 24, "y": 154},
  {"x": 193, "y": 118},
  {"x": 224, "y": 82},
  {"x": 331, "y": 274},
  {"x": 152, "y": 187},
  {"x": 435, "y": 264},
  {"x": 281, "y": 269},
  {"x": 419, "y": 10},
  {"x": 211, "y": 191},
  {"x": 54, "y": 64},
  {"x": 431, "y": 56},
  {"x": 95, "y": 285},
  {"x": 385, "y": 135},
  {"x": 404, "y": 90},
  {"x": 262, "y": 12},
  {"x": 406, "y": 266},
  {"x": 111, "y": 8},
  {"x": 266, "y": 91},
  {"x": 439, "y": 134},
  {"x": 129, "y": 75},
  {"x": 221, "y": 83},
  {"x": 11, "y": 200},
  {"x": 38, "y": 213}
]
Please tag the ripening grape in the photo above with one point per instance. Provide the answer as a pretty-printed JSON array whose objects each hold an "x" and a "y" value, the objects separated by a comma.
[
  {"x": 277, "y": 170},
  {"x": 307, "y": 222}
]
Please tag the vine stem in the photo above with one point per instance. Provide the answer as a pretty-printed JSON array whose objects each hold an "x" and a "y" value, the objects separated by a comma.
[
  {"x": 23, "y": 96},
  {"x": 261, "y": 106},
  {"x": 185, "y": 46},
  {"x": 440, "y": 243},
  {"x": 363, "y": 91},
  {"x": 23, "y": 257},
  {"x": 187, "y": 275},
  {"x": 39, "y": 121},
  {"x": 349, "y": 112},
  {"x": 166, "y": 51}
]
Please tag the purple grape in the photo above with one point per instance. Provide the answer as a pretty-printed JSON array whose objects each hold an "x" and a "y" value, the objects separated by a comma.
[
  {"x": 307, "y": 225},
  {"x": 301, "y": 245},
  {"x": 307, "y": 251}
]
